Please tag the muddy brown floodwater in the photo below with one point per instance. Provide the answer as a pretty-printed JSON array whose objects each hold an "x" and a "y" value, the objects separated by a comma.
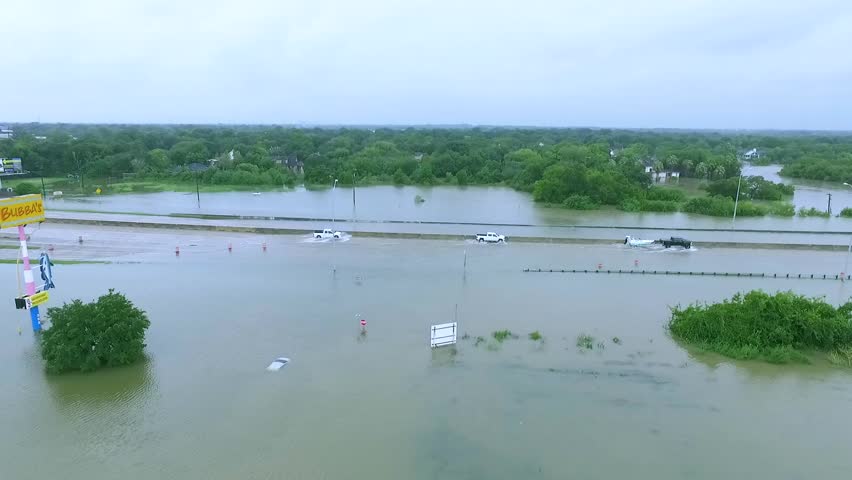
[{"x": 385, "y": 406}]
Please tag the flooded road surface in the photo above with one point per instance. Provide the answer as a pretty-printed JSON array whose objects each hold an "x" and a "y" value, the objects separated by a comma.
[
  {"x": 385, "y": 406},
  {"x": 452, "y": 205}
]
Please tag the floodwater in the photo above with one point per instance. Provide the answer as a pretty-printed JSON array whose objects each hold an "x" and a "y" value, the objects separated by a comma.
[
  {"x": 479, "y": 205},
  {"x": 385, "y": 406}
]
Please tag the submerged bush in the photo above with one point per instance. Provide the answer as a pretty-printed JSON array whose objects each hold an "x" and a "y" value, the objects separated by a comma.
[
  {"x": 846, "y": 212},
  {"x": 777, "y": 328},
  {"x": 631, "y": 205},
  {"x": 713, "y": 206},
  {"x": 782, "y": 209},
  {"x": 580, "y": 202},
  {"x": 87, "y": 336},
  {"x": 813, "y": 212},
  {"x": 585, "y": 341},
  {"x": 723, "y": 207},
  {"x": 501, "y": 335},
  {"x": 659, "y": 206},
  {"x": 665, "y": 194},
  {"x": 536, "y": 336}
]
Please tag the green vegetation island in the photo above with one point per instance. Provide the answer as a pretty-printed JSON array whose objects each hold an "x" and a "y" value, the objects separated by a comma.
[
  {"x": 581, "y": 168},
  {"x": 780, "y": 328}
]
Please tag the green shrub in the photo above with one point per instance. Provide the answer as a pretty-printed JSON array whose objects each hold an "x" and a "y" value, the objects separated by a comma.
[
  {"x": 26, "y": 188},
  {"x": 536, "y": 336},
  {"x": 666, "y": 194},
  {"x": 812, "y": 212},
  {"x": 748, "y": 209},
  {"x": 631, "y": 205},
  {"x": 659, "y": 206},
  {"x": 782, "y": 209},
  {"x": 723, "y": 207},
  {"x": 846, "y": 212},
  {"x": 777, "y": 328},
  {"x": 754, "y": 188},
  {"x": 580, "y": 202},
  {"x": 400, "y": 178},
  {"x": 87, "y": 336}
]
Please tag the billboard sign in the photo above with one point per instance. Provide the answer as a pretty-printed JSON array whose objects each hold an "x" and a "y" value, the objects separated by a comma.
[
  {"x": 21, "y": 210},
  {"x": 11, "y": 166}
]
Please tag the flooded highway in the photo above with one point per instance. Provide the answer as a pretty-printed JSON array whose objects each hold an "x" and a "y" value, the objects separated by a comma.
[{"x": 385, "y": 405}]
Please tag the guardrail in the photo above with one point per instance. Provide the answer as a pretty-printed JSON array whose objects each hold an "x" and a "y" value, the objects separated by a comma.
[{"x": 795, "y": 276}]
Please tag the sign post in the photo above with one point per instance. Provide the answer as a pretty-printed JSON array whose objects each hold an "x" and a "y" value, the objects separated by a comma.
[{"x": 18, "y": 212}]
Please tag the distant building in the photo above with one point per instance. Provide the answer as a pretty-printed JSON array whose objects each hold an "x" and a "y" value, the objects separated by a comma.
[
  {"x": 418, "y": 156},
  {"x": 752, "y": 154},
  {"x": 294, "y": 164},
  {"x": 662, "y": 176},
  {"x": 6, "y": 132},
  {"x": 40, "y": 137}
]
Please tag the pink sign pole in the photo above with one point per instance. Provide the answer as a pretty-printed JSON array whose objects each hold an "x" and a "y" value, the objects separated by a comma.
[{"x": 29, "y": 282}]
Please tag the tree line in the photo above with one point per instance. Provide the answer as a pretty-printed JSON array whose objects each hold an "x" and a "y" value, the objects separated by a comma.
[{"x": 601, "y": 166}]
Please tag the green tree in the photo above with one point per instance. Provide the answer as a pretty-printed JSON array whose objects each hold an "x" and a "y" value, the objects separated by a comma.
[
  {"x": 187, "y": 152},
  {"x": 400, "y": 178},
  {"x": 87, "y": 336}
]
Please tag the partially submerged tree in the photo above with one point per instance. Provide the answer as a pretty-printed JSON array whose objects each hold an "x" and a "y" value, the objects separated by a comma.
[{"x": 87, "y": 336}]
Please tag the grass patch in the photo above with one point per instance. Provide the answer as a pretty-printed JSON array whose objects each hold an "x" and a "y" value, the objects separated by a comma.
[
  {"x": 536, "y": 336},
  {"x": 778, "y": 328},
  {"x": 841, "y": 357},
  {"x": 9, "y": 261},
  {"x": 585, "y": 341}
]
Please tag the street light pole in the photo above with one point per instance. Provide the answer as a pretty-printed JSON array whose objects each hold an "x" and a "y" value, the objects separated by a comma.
[
  {"x": 333, "y": 187},
  {"x": 197, "y": 193},
  {"x": 737, "y": 200},
  {"x": 848, "y": 251},
  {"x": 353, "y": 189}
]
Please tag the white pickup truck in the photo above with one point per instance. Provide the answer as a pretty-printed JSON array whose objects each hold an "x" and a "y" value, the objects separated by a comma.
[
  {"x": 326, "y": 233},
  {"x": 490, "y": 237}
]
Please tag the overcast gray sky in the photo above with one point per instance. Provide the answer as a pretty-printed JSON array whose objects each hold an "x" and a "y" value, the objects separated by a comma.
[{"x": 627, "y": 63}]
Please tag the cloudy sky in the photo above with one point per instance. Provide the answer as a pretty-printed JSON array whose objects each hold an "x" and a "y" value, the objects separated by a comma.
[{"x": 614, "y": 63}]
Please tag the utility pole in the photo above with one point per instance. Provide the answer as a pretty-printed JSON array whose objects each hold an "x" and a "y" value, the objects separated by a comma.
[
  {"x": 197, "y": 193},
  {"x": 43, "y": 190},
  {"x": 353, "y": 189},
  {"x": 736, "y": 201},
  {"x": 79, "y": 171},
  {"x": 829, "y": 203}
]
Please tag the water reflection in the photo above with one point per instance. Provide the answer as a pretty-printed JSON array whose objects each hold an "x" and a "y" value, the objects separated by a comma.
[
  {"x": 445, "y": 356},
  {"x": 129, "y": 387},
  {"x": 756, "y": 371}
]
